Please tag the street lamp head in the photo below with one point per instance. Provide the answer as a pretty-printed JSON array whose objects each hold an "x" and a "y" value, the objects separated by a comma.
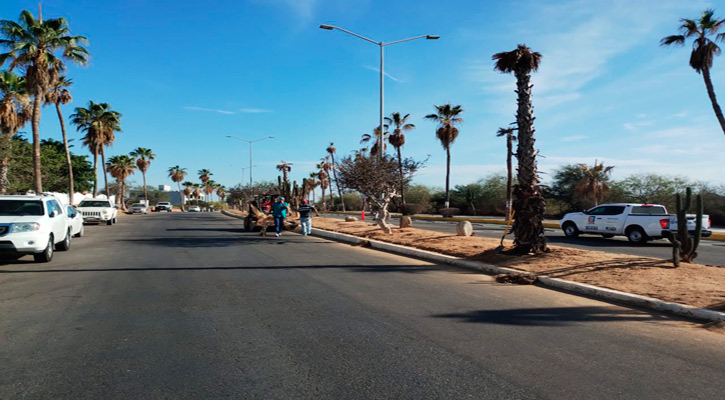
[
  {"x": 327, "y": 27},
  {"x": 432, "y": 37}
]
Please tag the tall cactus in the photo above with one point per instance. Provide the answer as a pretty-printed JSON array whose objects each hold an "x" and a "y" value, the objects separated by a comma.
[{"x": 684, "y": 246}]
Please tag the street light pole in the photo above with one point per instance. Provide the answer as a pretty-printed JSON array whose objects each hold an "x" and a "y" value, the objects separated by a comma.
[
  {"x": 382, "y": 72},
  {"x": 251, "y": 188}
]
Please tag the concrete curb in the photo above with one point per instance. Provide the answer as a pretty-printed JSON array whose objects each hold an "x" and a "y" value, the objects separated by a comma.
[
  {"x": 576, "y": 287},
  {"x": 553, "y": 225}
]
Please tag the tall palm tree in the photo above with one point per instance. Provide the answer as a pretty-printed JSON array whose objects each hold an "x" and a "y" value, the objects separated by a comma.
[
  {"x": 397, "y": 140},
  {"x": 529, "y": 204},
  {"x": 204, "y": 175},
  {"x": 15, "y": 112},
  {"x": 375, "y": 137},
  {"x": 326, "y": 177},
  {"x": 197, "y": 192},
  {"x": 177, "y": 174},
  {"x": 510, "y": 139},
  {"x": 704, "y": 50},
  {"x": 221, "y": 191},
  {"x": 58, "y": 94},
  {"x": 331, "y": 150},
  {"x": 285, "y": 168},
  {"x": 39, "y": 47},
  {"x": 312, "y": 182},
  {"x": 120, "y": 168},
  {"x": 143, "y": 157},
  {"x": 447, "y": 117},
  {"x": 99, "y": 123},
  {"x": 209, "y": 186},
  {"x": 187, "y": 191},
  {"x": 594, "y": 184}
]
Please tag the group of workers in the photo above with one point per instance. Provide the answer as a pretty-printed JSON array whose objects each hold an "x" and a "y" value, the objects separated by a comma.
[{"x": 279, "y": 210}]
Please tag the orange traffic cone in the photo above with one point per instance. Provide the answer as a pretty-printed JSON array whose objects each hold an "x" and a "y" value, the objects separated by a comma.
[{"x": 362, "y": 216}]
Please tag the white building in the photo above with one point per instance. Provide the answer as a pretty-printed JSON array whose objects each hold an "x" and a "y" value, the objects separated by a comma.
[{"x": 165, "y": 188}]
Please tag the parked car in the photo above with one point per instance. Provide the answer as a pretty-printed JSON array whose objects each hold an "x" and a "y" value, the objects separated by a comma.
[
  {"x": 194, "y": 209},
  {"x": 140, "y": 208},
  {"x": 638, "y": 222},
  {"x": 163, "y": 206},
  {"x": 75, "y": 220},
  {"x": 98, "y": 210},
  {"x": 35, "y": 225}
]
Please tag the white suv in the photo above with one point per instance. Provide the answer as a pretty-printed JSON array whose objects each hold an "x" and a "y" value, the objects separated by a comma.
[
  {"x": 34, "y": 225},
  {"x": 98, "y": 210}
]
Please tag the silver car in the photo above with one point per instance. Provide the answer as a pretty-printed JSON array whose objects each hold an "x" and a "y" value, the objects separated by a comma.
[{"x": 139, "y": 208}]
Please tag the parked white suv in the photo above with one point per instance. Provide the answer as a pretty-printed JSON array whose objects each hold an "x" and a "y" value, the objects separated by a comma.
[
  {"x": 98, "y": 210},
  {"x": 34, "y": 225}
]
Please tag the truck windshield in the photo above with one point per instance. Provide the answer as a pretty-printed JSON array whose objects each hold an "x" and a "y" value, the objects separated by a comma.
[
  {"x": 21, "y": 207},
  {"x": 649, "y": 210},
  {"x": 94, "y": 204}
]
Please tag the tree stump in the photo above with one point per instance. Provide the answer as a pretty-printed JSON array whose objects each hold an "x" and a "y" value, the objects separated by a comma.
[
  {"x": 406, "y": 222},
  {"x": 350, "y": 219},
  {"x": 464, "y": 228}
]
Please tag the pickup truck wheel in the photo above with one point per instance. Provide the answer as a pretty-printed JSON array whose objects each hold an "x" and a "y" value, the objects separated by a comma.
[
  {"x": 65, "y": 244},
  {"x": 47, "y": 254},
  {"x": 570, "y": 230},
  {"x": 637, "y": 236}
]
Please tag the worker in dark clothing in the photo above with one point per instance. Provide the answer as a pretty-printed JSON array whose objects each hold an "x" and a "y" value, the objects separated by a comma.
[{"x": 305, "y": 219}]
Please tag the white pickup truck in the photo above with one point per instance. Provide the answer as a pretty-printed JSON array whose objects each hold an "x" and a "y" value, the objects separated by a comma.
[
  {"x": 98, "y": 210},
  {"x": 638, "y": 222}
]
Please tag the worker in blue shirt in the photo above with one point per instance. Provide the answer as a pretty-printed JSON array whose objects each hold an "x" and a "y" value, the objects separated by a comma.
[{"x": 279, "y": 212}]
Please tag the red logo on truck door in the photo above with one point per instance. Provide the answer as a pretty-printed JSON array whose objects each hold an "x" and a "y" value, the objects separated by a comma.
[{"x": 591, "y": 219}]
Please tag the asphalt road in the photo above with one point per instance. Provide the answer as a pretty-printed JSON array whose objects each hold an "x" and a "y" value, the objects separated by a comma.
[
  {"x": 189, "y": 306},
  {"x": 710, "y": 252}
]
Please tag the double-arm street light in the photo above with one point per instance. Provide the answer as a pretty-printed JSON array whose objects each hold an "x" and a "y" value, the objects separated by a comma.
[
  {"x": 382, "y": 72},
  {"x": 250, "y": 153}
]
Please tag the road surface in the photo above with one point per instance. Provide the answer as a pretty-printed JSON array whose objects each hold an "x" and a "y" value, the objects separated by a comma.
[
  {"x": 710, "y": 252},
  {"x": 189, "y": 306}
]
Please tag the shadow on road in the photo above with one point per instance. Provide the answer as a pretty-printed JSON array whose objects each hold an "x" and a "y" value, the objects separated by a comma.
[
  {"x": 221, "y": 241},
  {"x": 559, "y": 316},
  {"x": 234, "y": 230},
  {"x": 617, "y": 263},
  {"x": 354, "y": 268}
]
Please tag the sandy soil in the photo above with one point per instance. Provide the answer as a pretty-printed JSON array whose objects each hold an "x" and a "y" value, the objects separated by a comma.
[{"x": 692, "y": 284}]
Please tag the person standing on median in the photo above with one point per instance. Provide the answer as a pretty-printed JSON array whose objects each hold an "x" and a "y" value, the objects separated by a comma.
[
  {"x": 305, "y": 219},
  {"x": 279, "y": 212}
]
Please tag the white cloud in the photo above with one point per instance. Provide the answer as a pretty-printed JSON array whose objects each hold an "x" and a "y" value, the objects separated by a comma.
[
  {"x": 574, "y": 138},
  {"x": 254, "y": 110},
  {"x": 634, "y": 126},
  {"x": 209, "y": 110},
  {"x": 384, "y": 73}
]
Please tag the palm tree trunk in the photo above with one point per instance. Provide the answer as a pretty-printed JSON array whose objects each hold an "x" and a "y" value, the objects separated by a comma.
[
  {"x": 37, "y": 172},
  {"x": 332, "y": 198},
  {"x": 448, "y": 177},
  {"x": 509, "y": 178},
  {"x": 324, "y": 205},
  {"x": 71, "y": 189},
  {"x": 105, "y": 174},
  {"x": 339, "y": 189},
  {"x": 181, "y": 195},
  {"x": 529, "y": 204},
  {"x": 145, "y": 194},
  {"x": 713, "y": 99},
  {"x": 402, "y": 184},
  {"x": 95, "y": 174},
  {"x": 5, "y": 148}
]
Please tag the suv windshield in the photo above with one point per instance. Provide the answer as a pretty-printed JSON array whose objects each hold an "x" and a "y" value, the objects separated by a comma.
[
  {"x": 21, "y": 207},
  {"x": 94, "y": 204}
]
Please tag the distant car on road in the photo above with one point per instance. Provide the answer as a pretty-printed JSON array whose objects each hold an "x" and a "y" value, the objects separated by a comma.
[
  {"x": 194, "y": 209},
  {"x": 98, "y": 210},
  {"x": 163, "y": 206},
  {"x": 638, "y": 222},
  {"x": 34, "y": 225},
  {"x": 140, "y": 208},
  {"x": 75, "y": 220}
]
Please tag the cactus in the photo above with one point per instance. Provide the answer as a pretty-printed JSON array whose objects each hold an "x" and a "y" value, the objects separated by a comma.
[{"x": 684, "y": 246}]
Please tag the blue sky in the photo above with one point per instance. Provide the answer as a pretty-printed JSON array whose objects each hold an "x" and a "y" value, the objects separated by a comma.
[{"x": 185, "y": 74}]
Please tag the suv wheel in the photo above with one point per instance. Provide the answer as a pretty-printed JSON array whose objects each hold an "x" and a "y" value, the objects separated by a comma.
[
  {"x": 47, "y": 254},
  {"x": 637, "y": 236},
  {"x": 570, "y": 230},
  {"x": 65, "y": 244},
  {"x": 109, "y": 222}
]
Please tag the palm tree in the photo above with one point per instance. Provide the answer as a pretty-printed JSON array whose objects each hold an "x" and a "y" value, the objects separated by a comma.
[
  {"x": 312, "y": 182},
  {"x": 120, "y": 168},
  {"x": 209, "y": 186},
  {"x": 375, "y": 137},
  {"x": 594, "y": 185},
  {"x": 58, "y": 94},
  {"x": 397, "y": 140},
  {"x": 38, "y": 47},
  {"x": 204, "y": 175},
  {"x": 15, "y": 112},
  {"x": 196, "y": 193},
  {"x": 285, "y": 168},
  {"x": 331, "y": 150},
  {"x": 704, "y": 50},
  {"x": 326, "y": 178},
  {"x": 177, "y": 174},
  {"x": 99, "y": 123},
  {"x": 143, "y": 157},
  {"x": 187, "y": 190},
  {"x": 510, "y": 139},
  {"x": 221, "y": 192},
  {"x": 529, "y": 204},
  {"x": 447, "y": 117}
]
